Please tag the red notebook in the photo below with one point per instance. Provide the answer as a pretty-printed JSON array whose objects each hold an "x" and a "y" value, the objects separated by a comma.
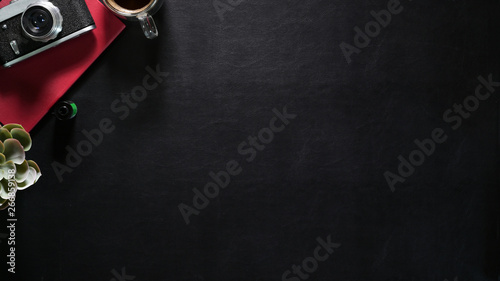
[{"x": 30, "y": 88}]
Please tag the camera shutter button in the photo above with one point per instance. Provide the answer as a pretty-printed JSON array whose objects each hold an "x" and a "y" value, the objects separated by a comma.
[{"x": 15, "y": 48}]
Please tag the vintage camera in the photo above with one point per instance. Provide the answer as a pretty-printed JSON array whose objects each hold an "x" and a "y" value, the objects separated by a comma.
[{"x": 28, "y": 27}]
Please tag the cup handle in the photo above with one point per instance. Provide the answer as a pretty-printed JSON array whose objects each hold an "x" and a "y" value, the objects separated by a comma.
[{"x": 148, "y": 26}]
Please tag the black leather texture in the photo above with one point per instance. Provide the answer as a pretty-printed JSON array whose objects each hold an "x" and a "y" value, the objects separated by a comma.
[{"x": 275, "y": 140}]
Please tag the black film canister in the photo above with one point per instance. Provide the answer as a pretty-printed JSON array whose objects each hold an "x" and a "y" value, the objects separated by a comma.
[{"x": 65, "y": 110}]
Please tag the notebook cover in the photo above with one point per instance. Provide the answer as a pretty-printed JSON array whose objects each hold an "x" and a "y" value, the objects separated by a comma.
[{"x": 30, "y": 88}]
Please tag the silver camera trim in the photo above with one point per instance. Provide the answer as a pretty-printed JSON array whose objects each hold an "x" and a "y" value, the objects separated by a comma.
[
  {"x": 56, "y": 24},
  {"x": 48, "y": 46},
  {"x": 14, "y": 8}
]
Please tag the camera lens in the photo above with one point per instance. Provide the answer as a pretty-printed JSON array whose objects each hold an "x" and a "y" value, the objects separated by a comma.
[
  {"x": 42, "y": 21},
  {"x": 38, "y": 21}
]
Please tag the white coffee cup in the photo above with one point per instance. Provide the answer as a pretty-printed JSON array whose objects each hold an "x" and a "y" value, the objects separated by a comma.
[{"x": 140, "y": 10}]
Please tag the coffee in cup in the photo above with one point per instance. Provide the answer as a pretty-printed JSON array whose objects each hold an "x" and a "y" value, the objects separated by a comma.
[{"x": 140, "y": 10}]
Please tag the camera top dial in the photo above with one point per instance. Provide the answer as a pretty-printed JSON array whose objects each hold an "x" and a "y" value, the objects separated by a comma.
[{"x": 42, "y": 21}]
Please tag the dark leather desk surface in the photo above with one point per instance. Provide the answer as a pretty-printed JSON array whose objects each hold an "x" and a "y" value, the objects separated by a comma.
[{"x": 116, "y": 215}]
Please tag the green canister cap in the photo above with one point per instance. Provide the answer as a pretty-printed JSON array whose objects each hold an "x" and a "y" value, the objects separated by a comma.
[{"x": 65, "y": 110}]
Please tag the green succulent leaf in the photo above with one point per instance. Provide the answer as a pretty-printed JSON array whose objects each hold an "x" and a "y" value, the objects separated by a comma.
[
  {"x": 22, "y": 171},
  {"x": 34, "y": 165},
  {"x": 3, "y": 203},
  {"x": 14, "y": 151},
  {"x": 30, "y": 180},
  {"x": 23, "y": 137},
  {"x": 4, "y": 134},
  {"x": 4, "y": 188},
  {"x": 12, "y": 126},
  {"x": 16, "y": 173},
  {"x": 4, "y": 169}
]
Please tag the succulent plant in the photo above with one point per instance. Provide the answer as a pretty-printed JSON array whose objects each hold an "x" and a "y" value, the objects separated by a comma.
[{"x": 16, "y": 173}]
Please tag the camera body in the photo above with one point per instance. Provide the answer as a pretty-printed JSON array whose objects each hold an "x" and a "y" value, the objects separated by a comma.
[{"x": 28, "y": 27}]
